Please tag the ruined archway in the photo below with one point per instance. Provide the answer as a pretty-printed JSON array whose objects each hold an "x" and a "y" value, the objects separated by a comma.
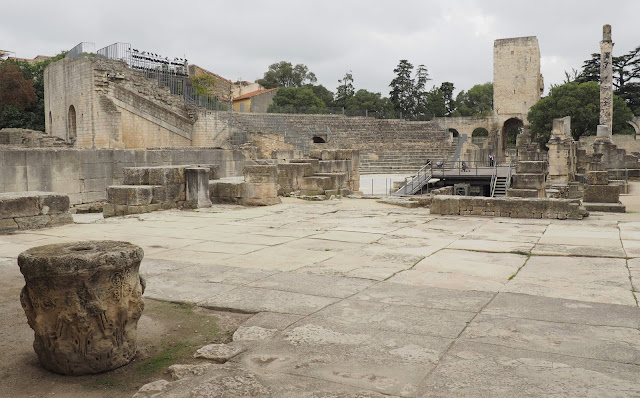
[
  {"x": 480, "y": 132},
  {"x": 71, "y": 124},
  {"x": 510, "y": 131},
  {"x": 453, "y": 132},
  {"x": 319, "y": 140}
]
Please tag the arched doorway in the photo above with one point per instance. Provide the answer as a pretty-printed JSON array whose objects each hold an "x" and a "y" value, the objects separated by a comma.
[
  {"x": 454, "y": 133},
  {"x": 71, "y": 124},
  {"x": 510, "y": 131},
  {"x": 479, "y": 135}
]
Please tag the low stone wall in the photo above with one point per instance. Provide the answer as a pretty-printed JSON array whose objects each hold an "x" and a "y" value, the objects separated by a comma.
[
  {"x": 32, "y": 210},
  {"x": 85, "y": 174},
  {"x": 508, "y": 207},
  {"x": 259, "y": 188},
  {"x": 147, "y": 189}
]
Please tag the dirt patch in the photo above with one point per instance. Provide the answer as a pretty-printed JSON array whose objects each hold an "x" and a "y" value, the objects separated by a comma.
[{"x": 167, "y": 333}]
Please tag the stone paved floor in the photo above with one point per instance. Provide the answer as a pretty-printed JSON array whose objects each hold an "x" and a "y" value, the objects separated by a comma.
[{"x": 359, "y": 299}]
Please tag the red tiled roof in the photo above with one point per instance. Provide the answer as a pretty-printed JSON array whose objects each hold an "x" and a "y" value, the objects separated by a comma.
[{"x": 253, "y": 94}]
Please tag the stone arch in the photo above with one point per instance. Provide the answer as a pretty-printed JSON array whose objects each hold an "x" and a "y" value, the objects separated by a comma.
[
  {"x": 480, "y": 132},
  {"x": 454, "y": 133},
  {"x": 510, "y": 130},
  {"x": 635, "y": 123},
  {"x": 72, "y": 132},
  {"x": 319, "y": 140}
]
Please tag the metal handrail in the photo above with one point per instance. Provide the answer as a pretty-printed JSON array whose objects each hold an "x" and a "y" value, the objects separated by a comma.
[{"x": 417, "y": 181}]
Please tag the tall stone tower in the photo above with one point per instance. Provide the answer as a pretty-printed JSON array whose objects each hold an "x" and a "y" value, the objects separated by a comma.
[{"x": 517, "y": 82}]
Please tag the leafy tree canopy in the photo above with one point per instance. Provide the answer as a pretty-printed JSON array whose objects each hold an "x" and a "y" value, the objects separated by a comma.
[
  {"x": 478, "y": 101},
  {"x": 345, "y": 90},
  {"x": 284, "y": 74},
  {"x": 364, "y": 100},
  {"x": 582, "y": 103},
  {"x": 323, "y": 93},
  {"x": 626, "y": 76},
  {"x": 32, "y": 115},
  {"x": 294, "y": 98}
]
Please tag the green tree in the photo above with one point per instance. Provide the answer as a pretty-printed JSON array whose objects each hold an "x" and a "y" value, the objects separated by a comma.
[
  {"x": 436, "y": 105},
  {"x": 323, "y": 93},
  {"x": 32, "y": 116},
  {"x": 402, "y": 88},
  {"x": 626, "y": 76},
  {"x": 582, "y": 103},
  {"x": 16, "y": 92},
  {"x": 345, "y": 90},
  {"x": 372, "y": 103},
  {"x": 447, "y": 89},
  {"x": 478, "y": 101},
  {"x": 420, "y": 90},
  {"x": 284, "y": 74},
  {"x": 295, "y": 99}
]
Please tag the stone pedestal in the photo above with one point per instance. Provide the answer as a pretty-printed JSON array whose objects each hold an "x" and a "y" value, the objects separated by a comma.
[
  {"x": 600, "y": 196},
  {"x": 197, "y": 180},
  {"x": 83, "y": 301}
]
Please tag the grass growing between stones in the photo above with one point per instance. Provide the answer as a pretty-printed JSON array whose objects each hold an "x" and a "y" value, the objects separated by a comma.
[
  {"x": 168, "y": 334},
  {"x": 528, "y": 254}
]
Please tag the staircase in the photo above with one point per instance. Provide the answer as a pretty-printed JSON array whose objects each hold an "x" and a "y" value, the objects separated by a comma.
[
  {"x": 415, "y": 184},
  {"x": 500, "y": 182}
]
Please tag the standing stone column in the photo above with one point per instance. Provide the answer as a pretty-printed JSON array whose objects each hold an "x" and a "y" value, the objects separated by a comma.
[
  {"x": 83, "y": 301},
  {"x": 606, "y": 83}
]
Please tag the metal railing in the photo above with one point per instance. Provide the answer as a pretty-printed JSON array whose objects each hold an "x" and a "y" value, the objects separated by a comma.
[
  {"x": 81, "y": 49},
  {"x": 417, "y": 182}
]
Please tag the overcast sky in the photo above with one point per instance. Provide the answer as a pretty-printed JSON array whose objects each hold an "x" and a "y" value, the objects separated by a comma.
[{"x": 240, "y": 39}]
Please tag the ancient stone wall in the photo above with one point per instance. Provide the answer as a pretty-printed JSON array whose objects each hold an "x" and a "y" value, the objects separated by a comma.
[
  {"x": 85, "y": 174},
  {"x": 32, "y": 210},
  {"x": 508, "y": 207},
  {"x": 101, "y": 103}
]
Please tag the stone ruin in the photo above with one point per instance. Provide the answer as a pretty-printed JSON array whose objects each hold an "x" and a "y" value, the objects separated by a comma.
[{"x": 83, "y": 301}]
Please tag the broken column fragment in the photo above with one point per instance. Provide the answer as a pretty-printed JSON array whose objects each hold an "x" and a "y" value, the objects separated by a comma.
[{"x": 83, "y": 301}]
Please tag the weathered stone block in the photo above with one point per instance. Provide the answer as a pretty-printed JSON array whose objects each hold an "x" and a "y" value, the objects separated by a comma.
[
  {"x": 108, "y": 210},
  {"x": 33, "y": 222},
  {"x": 130, "y": 194},
  {"x": 8, "y": 225},
  {"x": 19, "y": 204},
  {"x": 597, "y": 178},
  {"x": 260, "y": 174},
  {"x": 158, "y": 194},
  {"x": 52, "y": 203},
  {"x": 60, "y": 219},
  {"x": 522, "y": 193},
  {"x": 531, "y": 167},
  {"x": 135, "y": 176},
  {"x": 76, "y": 333},
  {"x": 601, "y": 193},
  {"x": 528, "y": 181}
]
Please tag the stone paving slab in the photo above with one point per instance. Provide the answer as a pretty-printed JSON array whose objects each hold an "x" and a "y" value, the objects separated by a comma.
[
  {"x": 249, "y": 299},
  {"x": 233, "y": 380},
  {"x": 634, "y": 274},
  {"x": 563, "y": 311},
  {"x": 348, "y": 236},
  {"x": 608, "y": 343},
  {"x": 385, "y": 362},
  {"x": 279, "y": 258},
  {"x": 197, "y": 257},
  {"x": 483, "y": 245},
  {"x": 167, "y": 288},
  {"x": 426, "y": 297},
  {"x": 465, "y": 270},
  {"x": 370, "y": 315},
  {"x": 602, "y": 280},
  {"x": 315, "y": 285},
  {"x": 472, "y": 369},
  {"x": 578, "y": 251}
]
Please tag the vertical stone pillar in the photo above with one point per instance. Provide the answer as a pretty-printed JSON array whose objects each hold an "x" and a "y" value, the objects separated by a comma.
[
  {"x": 197, "y": 192},
  {"x": 606, "y": 81}
]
